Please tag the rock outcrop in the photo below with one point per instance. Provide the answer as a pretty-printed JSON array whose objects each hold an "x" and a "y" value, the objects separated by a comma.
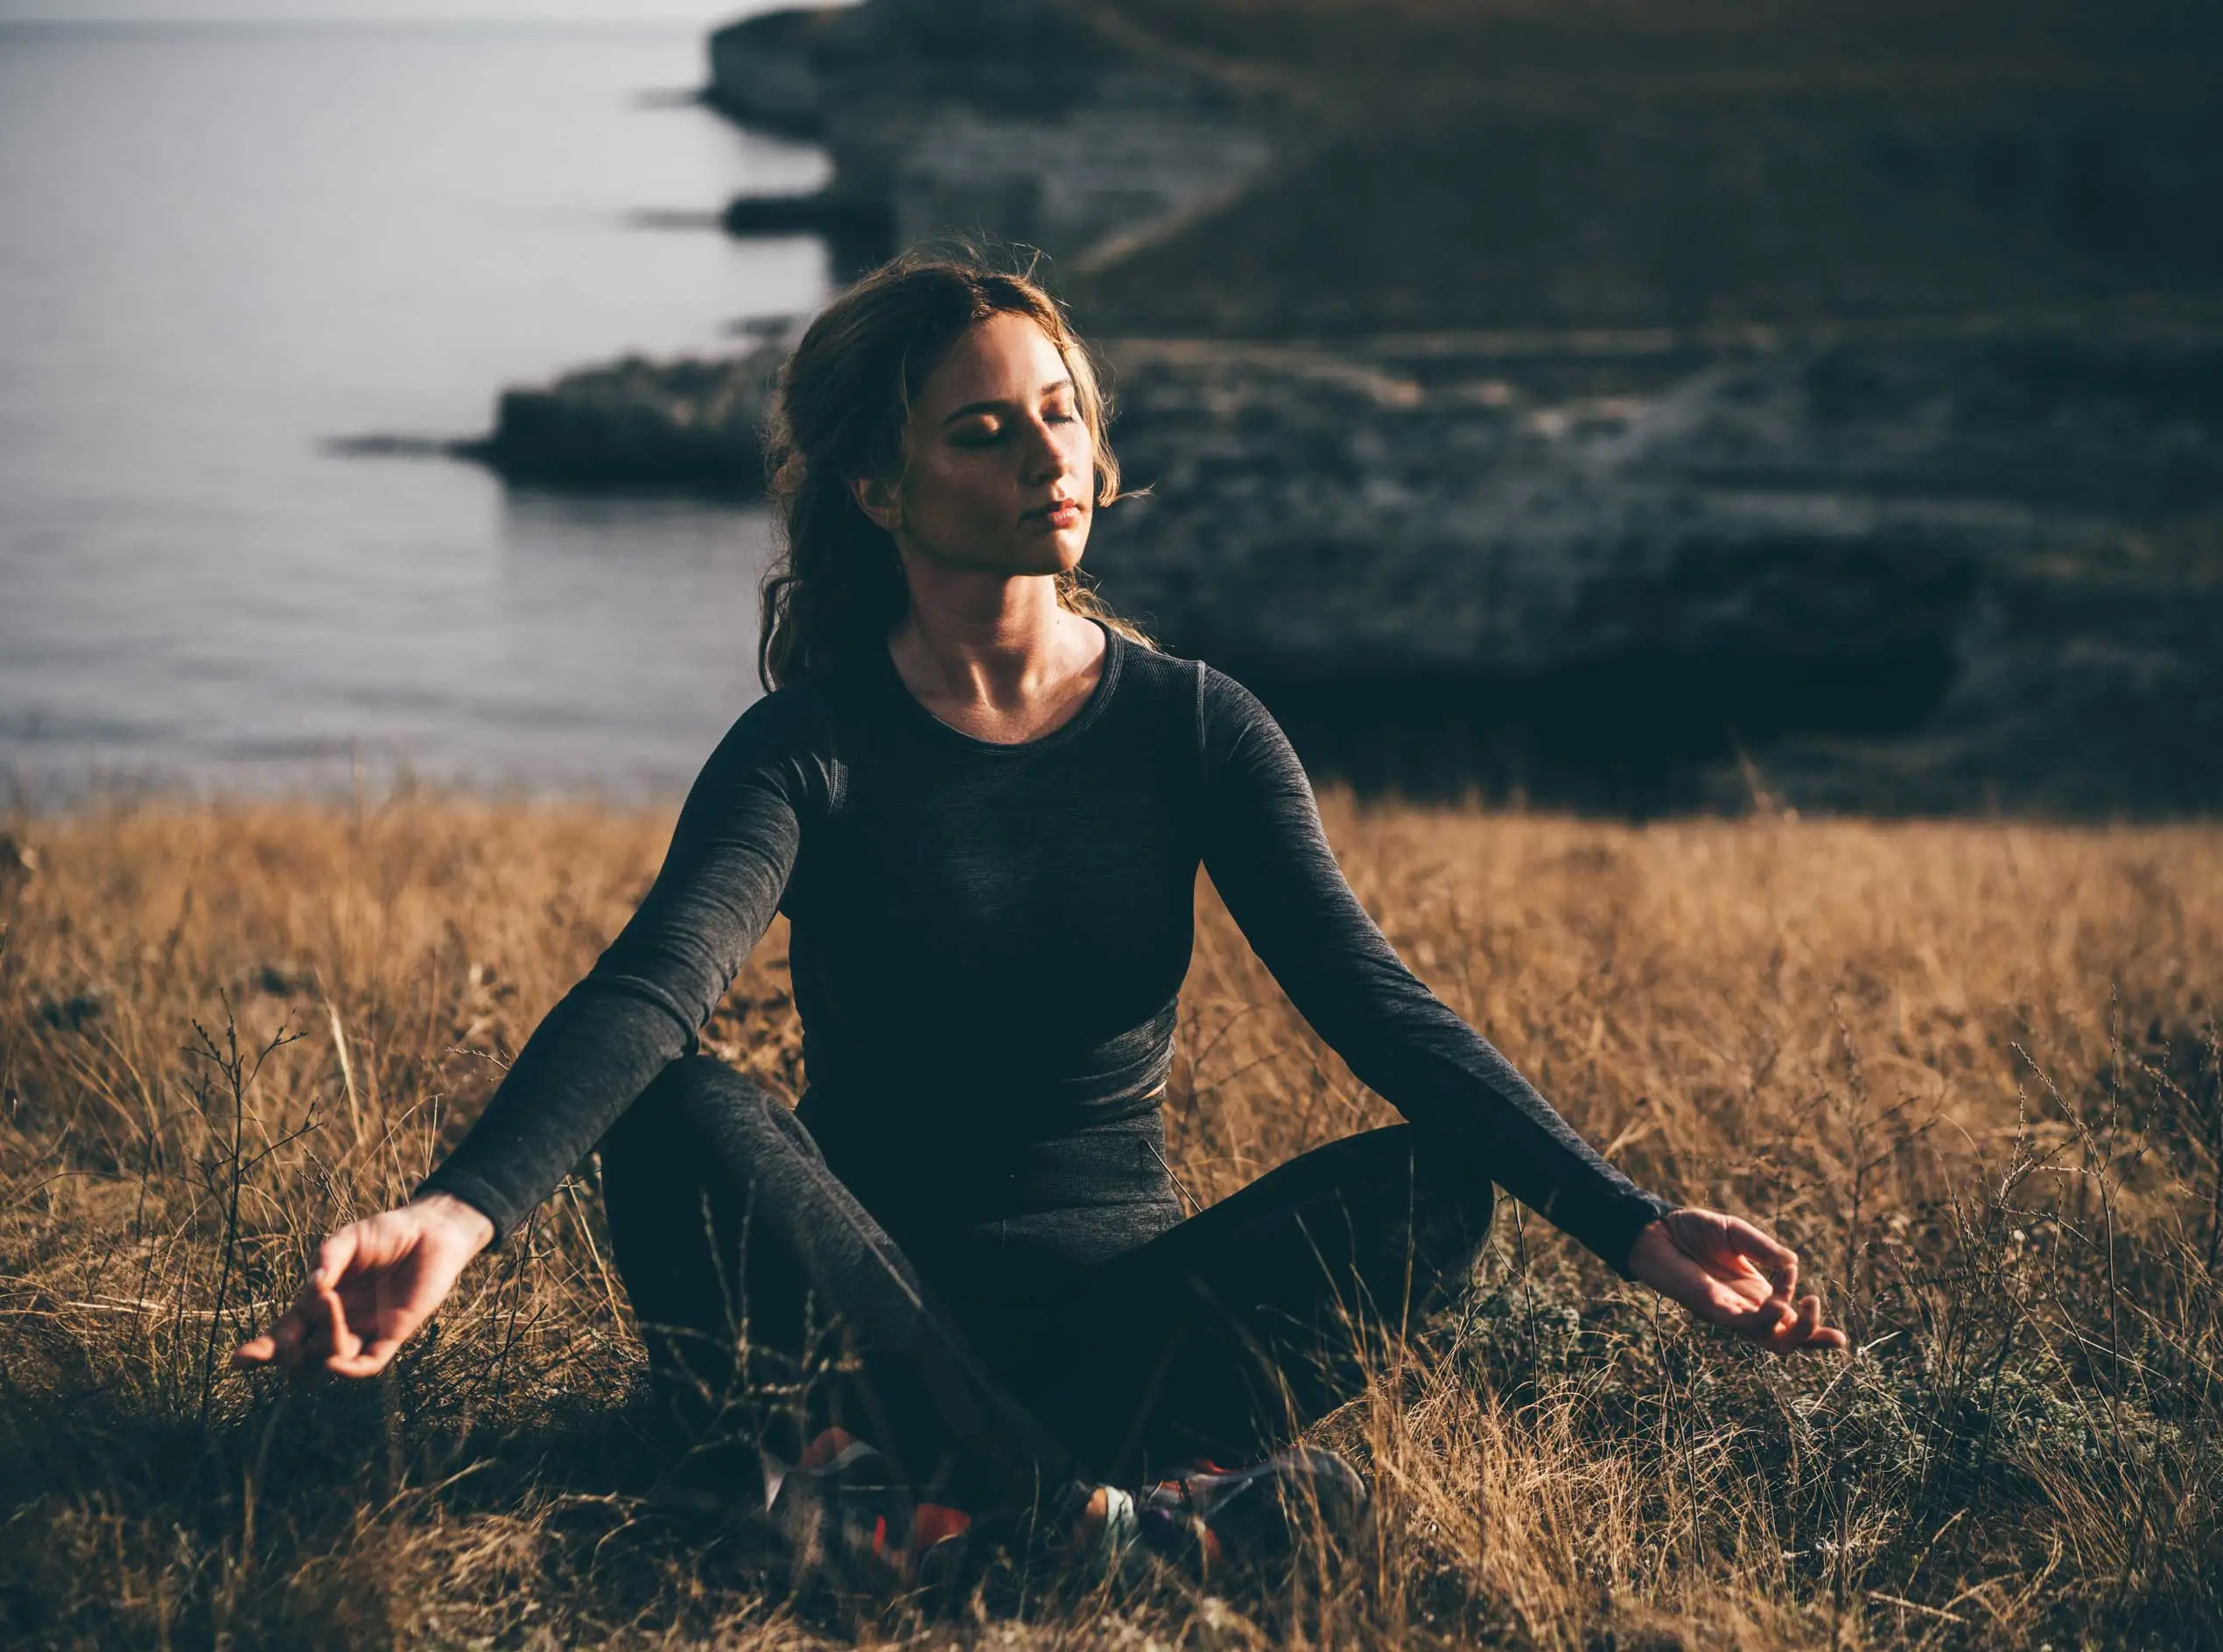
[
  {"x": 1896, "y": 571},
  {"x": 1022, "y": 120},
  {"x": 689, "y": 425},
  {"x": 1903, "y": 572}
]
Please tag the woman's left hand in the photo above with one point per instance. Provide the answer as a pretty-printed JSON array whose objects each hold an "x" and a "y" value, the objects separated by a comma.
[{"x": 1728, "y": 1273}]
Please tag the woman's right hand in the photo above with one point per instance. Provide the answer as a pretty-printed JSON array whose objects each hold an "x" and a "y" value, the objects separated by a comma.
[{"x": 376, "y": 1282}]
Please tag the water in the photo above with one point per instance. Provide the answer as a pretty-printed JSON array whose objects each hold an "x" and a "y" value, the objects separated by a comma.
[{"x": 224, "y": 246}]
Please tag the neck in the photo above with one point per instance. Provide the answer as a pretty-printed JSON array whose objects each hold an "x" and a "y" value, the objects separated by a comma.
[{"x": 994, "y": 641}]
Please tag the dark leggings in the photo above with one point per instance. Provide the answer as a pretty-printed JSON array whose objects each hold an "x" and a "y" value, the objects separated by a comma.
[{"x": 1216, "y": 1339}]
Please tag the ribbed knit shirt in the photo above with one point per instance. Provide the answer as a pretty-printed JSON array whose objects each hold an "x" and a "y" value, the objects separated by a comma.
[{"x": 987, "y": 944}]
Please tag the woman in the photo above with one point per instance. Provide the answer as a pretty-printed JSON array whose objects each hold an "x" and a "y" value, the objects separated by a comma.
[{"x": 983, "y": 802}]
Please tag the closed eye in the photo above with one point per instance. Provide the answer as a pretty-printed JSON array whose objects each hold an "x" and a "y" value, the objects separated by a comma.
[{"x": 989, "y": 435}]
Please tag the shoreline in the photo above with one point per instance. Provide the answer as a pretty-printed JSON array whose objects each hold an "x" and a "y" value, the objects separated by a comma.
[{"x": 1892, "y": 569}]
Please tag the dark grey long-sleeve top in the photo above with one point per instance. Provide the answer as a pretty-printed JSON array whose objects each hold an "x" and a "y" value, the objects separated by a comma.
[{"x": 987, "y": 942}]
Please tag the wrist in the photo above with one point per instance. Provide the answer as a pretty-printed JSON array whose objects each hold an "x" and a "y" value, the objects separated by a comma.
[
  {"x": 1654, "y": 1239},
  {"x": 459, "y": 1215},
  {"x": 1644, "y": 1223}
]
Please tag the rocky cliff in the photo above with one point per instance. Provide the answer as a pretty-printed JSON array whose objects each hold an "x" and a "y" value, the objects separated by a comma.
[
  {"x": 1894, "y": 570},
  {"x": 693, "y": 426},
  {"x": 1630, "y": 406},
  {"x": 1018, "y": 120},
  {"x": 1270, "y": 168}
]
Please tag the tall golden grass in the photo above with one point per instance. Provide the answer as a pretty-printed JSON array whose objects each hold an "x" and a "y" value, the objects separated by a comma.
[{"x": 1970, "y": 1070}]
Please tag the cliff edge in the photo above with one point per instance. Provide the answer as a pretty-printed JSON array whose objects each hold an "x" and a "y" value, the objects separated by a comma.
[{"x": 1639, "y": 407}]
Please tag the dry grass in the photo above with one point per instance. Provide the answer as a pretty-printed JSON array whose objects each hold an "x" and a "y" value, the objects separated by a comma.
[{"x": 1971, "y": 1070}]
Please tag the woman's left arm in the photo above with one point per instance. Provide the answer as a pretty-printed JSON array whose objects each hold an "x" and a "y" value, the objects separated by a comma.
[{"x": 1269, "y": 859}]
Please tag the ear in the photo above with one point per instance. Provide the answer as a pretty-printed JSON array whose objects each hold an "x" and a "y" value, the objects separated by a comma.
[{"x": 876, "y": 497}]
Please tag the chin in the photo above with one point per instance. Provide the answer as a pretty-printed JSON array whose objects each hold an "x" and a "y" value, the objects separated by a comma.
[
  {"x": 1071, "y": 544},
  {"x": 1054, "y": 557}
]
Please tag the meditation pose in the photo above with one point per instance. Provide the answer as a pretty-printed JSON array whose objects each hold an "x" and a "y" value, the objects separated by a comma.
[{"x": 982, "y": 801}]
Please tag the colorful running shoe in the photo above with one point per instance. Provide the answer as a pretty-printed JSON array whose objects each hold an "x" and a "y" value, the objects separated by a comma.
[
  {"x": 1210, "y": 1520},
  {"x": 843, "y": 1514},
  {"x": 1093, "y": 1532}
]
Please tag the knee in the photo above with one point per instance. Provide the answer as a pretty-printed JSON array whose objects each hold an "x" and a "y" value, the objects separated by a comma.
[
  {"x": 1453, "y": 1195},
  {"x": 694, "y": 1081},
  {"x": 1450, "y": 1201},
  {"x": 1401, "y": 1162}
]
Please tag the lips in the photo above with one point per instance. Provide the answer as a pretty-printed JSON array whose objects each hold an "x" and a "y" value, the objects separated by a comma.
[{"x": 1062, "y": 512}]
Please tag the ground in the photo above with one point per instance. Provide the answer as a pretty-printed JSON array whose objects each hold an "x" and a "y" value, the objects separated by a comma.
[{"x": 1970, "y": 1070}]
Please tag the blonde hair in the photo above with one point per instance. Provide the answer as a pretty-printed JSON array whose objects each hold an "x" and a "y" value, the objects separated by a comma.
[{"x": 839, "y": 411}]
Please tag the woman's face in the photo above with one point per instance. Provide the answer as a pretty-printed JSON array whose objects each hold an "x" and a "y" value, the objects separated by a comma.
[{"x": 1000, "y": 473}]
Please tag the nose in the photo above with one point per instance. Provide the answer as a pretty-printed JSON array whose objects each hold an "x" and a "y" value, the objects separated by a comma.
[{"x": 1040, "y": 458}]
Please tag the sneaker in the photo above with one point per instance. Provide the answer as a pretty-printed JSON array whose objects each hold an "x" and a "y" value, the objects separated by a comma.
[
  {"x": 842, "y": 1514},
  {"x": 1093, "y": 1532},
  {"x": 1209, "y": 1521}
]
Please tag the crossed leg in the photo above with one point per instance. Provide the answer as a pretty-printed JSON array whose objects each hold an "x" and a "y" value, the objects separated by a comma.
[
  {"x": 742, "y": 1253},
  {"x": 1226, "y": 1334}
]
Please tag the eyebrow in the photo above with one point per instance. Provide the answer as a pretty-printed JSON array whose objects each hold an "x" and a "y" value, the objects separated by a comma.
[{"x": 997, "y": 405}]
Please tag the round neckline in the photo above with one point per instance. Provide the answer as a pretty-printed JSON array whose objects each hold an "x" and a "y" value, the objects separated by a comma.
[{"x": 1114, "y": 655}]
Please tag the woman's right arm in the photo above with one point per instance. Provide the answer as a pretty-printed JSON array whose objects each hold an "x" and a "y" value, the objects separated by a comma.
[{"x": 640, "y": 1007}]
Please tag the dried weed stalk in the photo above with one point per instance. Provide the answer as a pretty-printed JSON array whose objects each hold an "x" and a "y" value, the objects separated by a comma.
[{"x": 1972, "y": 1071}]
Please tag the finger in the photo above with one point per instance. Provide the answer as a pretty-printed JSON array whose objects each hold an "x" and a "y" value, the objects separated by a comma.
[
  {"x": 1724, "y": 1303},
  {"x": 1807, "y": 1330},
  {"x": 378, "y": 1306},
  {"x": 1809, "y": 1317},
  {"x": 1765, "y": 1323},
  {"x": 1750, "y": 1286},
  {"x": 257, "y": 1350},
  {"x": 1707, "y": 1238},
  {"x": 1815, "y": 1334},
  {"x": 1775, "y": 1338},
  {"x": 334, "y": 1253},
  {"x": 305, "y": 1333},
  {"x": 1805, "y": 1321},
  {"x": 372, "y": 1358},
  {"x": 1766, "y": 1326},
  {"x": 1778, "y": 1261},
  {"x": 344, "y": 1343},
  {"x": 281, "y": 1344}
]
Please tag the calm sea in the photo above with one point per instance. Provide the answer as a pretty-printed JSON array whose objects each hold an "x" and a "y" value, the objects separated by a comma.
[{"x": 220, "y": 247}]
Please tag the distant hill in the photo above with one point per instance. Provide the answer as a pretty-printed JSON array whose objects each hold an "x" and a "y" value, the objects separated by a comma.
[
  {"x": 1585, "y": 164},
  {"x": 1268, "y": 167}
]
